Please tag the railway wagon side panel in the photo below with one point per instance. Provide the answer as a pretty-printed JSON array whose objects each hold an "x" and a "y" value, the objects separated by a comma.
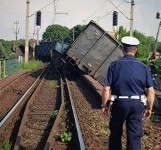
[
  {"x": 84, "y": 42},
  {"x": 100, "y": 74},
  {"x": 98, "y": 54},
  {"x": 94, "y": 50}
]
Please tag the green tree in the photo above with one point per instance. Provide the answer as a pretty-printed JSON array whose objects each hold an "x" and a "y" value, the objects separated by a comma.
[
  {"x": 122, "y": 33},
  {"x": 151, "y": 41},
  {"x": 76, "y": 30},
  {"x": 5, "y": 49},
  {"x": 143, "y": 48},
  {"x": 20, "y": 42},
  {"x": 56, "y": 32}
]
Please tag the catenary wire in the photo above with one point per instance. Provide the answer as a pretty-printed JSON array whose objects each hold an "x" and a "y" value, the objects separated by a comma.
[
  {"x": 116, "y": 7},
  {"x": 42, "y": 8},
  {"x": 96, "y": 12}
]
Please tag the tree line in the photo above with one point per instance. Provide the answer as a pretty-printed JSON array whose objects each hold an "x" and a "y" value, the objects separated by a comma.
[{"x": 62, "y": 33}]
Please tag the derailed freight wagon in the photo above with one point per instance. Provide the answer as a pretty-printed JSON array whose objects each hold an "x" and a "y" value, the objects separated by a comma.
[
  {"x": 94, "y": 50},
  {"x": 45, "y": 48}
]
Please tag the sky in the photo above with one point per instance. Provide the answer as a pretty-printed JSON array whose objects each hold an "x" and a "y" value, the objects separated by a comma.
[{"x": 73, "y": 12}]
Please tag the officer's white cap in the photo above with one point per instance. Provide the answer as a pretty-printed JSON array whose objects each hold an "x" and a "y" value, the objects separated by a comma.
[{"x": 129, "y": 41}]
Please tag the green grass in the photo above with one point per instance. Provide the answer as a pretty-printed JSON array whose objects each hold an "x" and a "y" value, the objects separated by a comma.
[
  {"x": 5, "y": 145},
  {"x": 31, "y": 65},
  {"x": 103, "y": 130},
  {"x": 53, "y": 84}
]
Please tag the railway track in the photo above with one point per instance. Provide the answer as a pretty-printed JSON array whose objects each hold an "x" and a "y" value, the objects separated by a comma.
[
  {"x": 39, "y": 114},
  {"x": 66, "y": 132},
  {"x": 16, "y": 102},
  {"x": 60, "y": 115},
  {"x": 47, "y": 119},
  {"x": 62, "y": 108},
  {"x": 83, "y": 106}
]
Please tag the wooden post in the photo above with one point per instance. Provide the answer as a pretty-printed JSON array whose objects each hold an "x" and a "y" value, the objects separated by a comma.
[
  {"x": 0, "y": 69},
  {"x": 4, "y": 68}
]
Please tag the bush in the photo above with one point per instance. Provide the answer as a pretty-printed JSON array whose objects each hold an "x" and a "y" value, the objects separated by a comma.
[{"x": 6, "y": 145}]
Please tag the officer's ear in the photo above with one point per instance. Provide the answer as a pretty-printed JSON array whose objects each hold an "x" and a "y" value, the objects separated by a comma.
[{"x": 136, "y": 49}]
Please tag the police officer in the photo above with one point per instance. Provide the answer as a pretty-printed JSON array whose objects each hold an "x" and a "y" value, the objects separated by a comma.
[{"x": 127, "y": 78}]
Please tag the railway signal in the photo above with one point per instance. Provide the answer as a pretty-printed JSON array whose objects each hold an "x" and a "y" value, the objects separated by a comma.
[
  {"x": 115, "y": 18},
  {"x": 38, "y": 18},
  {"x": 158, "y": 15}
]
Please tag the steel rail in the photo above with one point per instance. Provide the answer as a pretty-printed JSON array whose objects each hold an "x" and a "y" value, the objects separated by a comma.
[
  {"x": 80, "y": 137},
  {"x": 56, "y": 123},
  {"x": 20, "y": 100},
  {"x": 18, "y": 139}
]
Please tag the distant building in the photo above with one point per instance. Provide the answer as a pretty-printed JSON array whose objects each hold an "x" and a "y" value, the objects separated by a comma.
[{"x": 19, "y": 54}]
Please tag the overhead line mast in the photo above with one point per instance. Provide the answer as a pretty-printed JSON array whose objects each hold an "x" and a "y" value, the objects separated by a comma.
[
  {"x": 27, "y": 32},
  {"x": 16, "y": 32},
  {"x": 156, "y": 40},
  {"x": 132, "y": 17}
]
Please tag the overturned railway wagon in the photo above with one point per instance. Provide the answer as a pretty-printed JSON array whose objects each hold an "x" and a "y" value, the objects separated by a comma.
[{"x": 94, "y": 50}]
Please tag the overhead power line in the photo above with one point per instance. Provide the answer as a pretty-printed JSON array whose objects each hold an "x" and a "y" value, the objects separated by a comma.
[
  {"x": 116, "y": 7},
  {"x": 47, "y": 5},
  {"x": 96, "y": 12},
  {"x": 140, "y": 2},
  {"x": 42, "y": 8}
]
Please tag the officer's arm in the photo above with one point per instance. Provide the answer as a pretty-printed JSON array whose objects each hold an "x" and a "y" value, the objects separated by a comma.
[
  {"x": 105, "y": 95},
  {"x": 150, "y": 98}
]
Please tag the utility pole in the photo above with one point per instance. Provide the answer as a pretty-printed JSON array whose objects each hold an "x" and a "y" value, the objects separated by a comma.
[
  {"x": 27, "y": 32},
  {"x": 16, "y": 31},
  {"x": 16, "y": 22},
  {"x": 131, "y": 17},
  {"x": 156, "y": 40},
  {"x": 73, "y": 34}
]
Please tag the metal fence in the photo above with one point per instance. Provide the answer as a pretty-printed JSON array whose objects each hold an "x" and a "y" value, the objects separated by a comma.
[{"x": 8, "y": 66}]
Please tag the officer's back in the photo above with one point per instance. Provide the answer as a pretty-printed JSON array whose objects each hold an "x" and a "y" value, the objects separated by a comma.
[{"x": 129, "y": 76}]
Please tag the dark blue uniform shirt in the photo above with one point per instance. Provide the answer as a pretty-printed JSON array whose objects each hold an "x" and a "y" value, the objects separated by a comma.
[{"x": 128, "y": 77}]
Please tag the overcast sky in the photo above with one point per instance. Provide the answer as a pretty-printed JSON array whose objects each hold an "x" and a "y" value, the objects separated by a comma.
[{"x": 73, "y": 12}]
